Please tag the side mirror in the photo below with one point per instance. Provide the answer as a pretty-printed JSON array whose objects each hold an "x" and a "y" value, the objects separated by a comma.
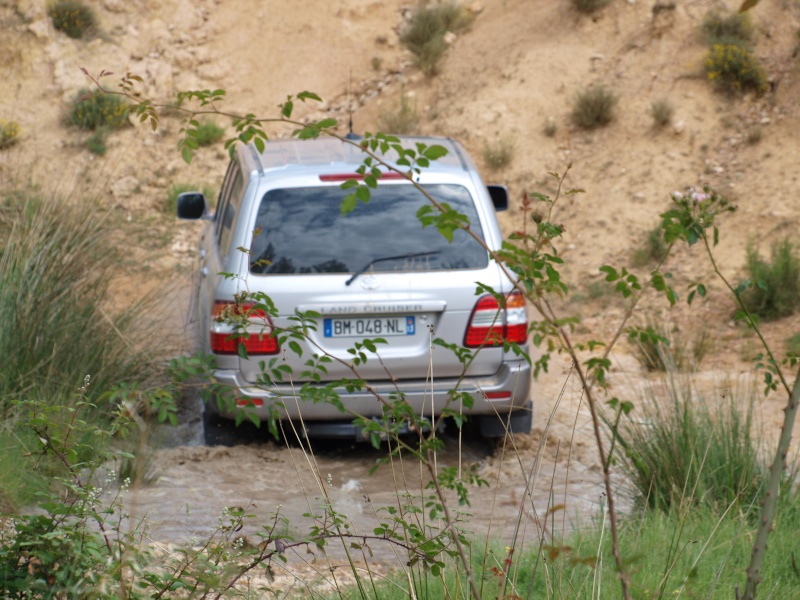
[
  {"x": 499, "y": 196},
  {"x": 192, "y": 206}
]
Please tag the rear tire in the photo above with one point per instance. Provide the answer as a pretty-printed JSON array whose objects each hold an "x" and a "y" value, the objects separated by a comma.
[
  {"x": 518, "y": 421},
  {"x": 218, "y": 431}
]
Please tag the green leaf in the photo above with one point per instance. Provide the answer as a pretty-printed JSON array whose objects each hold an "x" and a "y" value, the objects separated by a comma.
[
  {"x": 186, "y": 154},
  {"x": 286, "y": 109},
  {"x": 435, "y": 152},
  {"x": 303, "y": 96},
  {"x": 327, "y": 123},
  {"x": 349, "y": 203},
  {"x": 363, "y": 194}
]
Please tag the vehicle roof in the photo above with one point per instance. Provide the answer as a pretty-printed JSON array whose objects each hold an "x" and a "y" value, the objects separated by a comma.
[{"x": 331, "y": 155}]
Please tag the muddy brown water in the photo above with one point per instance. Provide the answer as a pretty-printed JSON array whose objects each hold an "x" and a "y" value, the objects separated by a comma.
[{"x": 194, "y": 483}]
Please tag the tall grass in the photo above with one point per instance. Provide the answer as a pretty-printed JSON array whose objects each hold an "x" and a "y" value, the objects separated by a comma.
[
  {"x": 677, "y": 554},
  {"x": 57, "y": 324},
  {"x": 57, "y": 321},
  {"x": 684, "y": 450}
]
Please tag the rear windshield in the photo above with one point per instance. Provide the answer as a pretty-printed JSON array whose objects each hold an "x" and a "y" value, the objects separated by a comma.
[{"x": 302, "y": 230}]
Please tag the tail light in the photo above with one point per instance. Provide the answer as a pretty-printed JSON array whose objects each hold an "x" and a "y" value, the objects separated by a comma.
[
  {"x": 258, "y": 342},
  {"x": 491, "y": 325}
]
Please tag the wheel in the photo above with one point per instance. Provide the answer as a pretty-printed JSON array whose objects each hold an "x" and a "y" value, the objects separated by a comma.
[{"x": 519, "y": 421}]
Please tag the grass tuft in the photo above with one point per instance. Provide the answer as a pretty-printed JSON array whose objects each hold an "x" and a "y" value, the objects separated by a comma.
[
  {"x": 682, "y": 451},
  {"x": 96, "y": 143},
  {"x": 651, "y": 250},
  {"x": 499, "y": 153},
  {"x": 775, "y": 292},
  {"x": 400, "y": 120},
  {"x": 424, "y": 35},
  {"x": 674, "y": 352},
  {"x": 661, "y": 111},
  {"x": 594, "y": 107},
  {"x": 727, "y": 29},
  {"x": 208, "y": 133}
]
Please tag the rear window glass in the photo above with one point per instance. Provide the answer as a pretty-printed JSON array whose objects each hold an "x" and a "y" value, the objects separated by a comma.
[{"x": 302, "y": 230}]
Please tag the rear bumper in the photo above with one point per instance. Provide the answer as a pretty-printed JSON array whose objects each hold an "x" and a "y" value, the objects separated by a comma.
[{"x": 506, "y": 390}]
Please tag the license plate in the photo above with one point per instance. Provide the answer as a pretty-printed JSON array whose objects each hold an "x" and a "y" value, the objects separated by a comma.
[{"x": 369, "y": 327}]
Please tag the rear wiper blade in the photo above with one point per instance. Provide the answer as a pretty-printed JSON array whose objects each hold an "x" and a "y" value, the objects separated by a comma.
[{"x": 385, "y": 258}]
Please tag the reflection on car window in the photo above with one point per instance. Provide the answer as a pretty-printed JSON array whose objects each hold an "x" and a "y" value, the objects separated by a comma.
[{"x": 302, "y": 230}]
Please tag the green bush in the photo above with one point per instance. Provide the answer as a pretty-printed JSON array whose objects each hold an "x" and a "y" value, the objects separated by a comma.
[
  {"x": 661, "y": 111},
  {"x": 594, "y": 107},
  {"x": 425, "y": 32},
  {"x": 91, "y": 110},
  {"x": 498, "y": 153},
  {"x": 208, "y": 133},
  {"x": 9, "y": 133},
  {"x": 72, "y": 17},
  {"x": 733, "y": 69},
  {"x": 727, "y": 29},
  {"x": 400, "y": 120},
  {"x": 589, "y": 6},
  {"x": 684, "y": 451},
  {"x": 775, "y": 290}
]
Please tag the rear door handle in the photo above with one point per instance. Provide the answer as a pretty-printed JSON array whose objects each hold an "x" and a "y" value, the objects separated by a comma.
[{"x": 202, "y": 253}]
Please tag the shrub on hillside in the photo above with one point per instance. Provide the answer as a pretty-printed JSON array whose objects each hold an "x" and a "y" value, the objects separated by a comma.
[
  {"x": 400, "y": 120},
  {"x": 425, "y": 32},
  {"x": 208, "y": 133},
  {"x": 589, "y": 6},
  {"x": 72, "y": 17},
  {"x": 91, "y": 110},
  {"x": 727, "y": 29},
  {"x": 661, "y": 111},
  {"x": 734, "y": 69},
  {"x": 9, "y": 133},
  {"x": 652, "y": 249},
  {"x": 775, "y": 290},
  {"x": 498, "y": 153},
  {"x": 594, "y": 107}
]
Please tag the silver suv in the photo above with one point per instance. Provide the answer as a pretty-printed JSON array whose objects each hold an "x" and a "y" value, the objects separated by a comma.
[{"x": 372, "y": 273}]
